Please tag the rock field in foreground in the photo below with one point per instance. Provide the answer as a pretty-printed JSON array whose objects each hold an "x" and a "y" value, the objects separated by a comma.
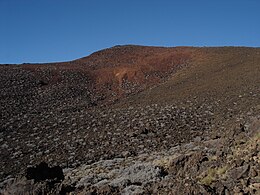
[{"x": 214, "y": 166}]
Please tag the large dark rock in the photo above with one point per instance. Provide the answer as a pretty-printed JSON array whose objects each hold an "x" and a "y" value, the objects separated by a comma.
[{"x": 43, "y": 172}]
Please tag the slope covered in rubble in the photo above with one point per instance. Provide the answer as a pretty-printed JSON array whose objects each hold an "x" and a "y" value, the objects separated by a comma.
[{"x": 109, "y": 111}]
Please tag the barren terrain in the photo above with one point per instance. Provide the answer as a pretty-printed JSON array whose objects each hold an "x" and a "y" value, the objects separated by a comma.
[{"x": 134, "y": 120}]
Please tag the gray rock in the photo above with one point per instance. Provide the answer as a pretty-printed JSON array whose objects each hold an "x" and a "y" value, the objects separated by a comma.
[
  {"x": 239, "y": 172},
  {"x": 132, "y": 189},
  {"x": 137, "y": 173}
]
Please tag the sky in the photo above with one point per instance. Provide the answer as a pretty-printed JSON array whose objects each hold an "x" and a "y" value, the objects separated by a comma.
[{"x": 37, "y": 31}]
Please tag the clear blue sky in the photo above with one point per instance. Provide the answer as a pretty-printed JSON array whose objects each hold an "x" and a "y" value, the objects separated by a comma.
[{"x": 60, "y": 30}]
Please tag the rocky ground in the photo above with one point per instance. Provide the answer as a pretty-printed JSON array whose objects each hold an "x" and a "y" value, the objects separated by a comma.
[
  {"x": 226, "y": 164},
  {"x": 190, "y": 126}
]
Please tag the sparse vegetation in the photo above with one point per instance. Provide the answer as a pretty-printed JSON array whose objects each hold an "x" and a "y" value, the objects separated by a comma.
[{"x": 213, "y": 174}]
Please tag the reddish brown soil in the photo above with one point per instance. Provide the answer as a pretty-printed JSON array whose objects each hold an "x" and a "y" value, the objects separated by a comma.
[{"x": 122, "y": 70}]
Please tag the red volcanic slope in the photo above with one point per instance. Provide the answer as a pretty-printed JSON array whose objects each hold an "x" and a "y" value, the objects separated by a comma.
[{"x": 122, "y": 70}]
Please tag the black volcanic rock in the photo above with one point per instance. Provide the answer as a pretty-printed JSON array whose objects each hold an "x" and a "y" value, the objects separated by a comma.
[{"x": 43, "y": 172}]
